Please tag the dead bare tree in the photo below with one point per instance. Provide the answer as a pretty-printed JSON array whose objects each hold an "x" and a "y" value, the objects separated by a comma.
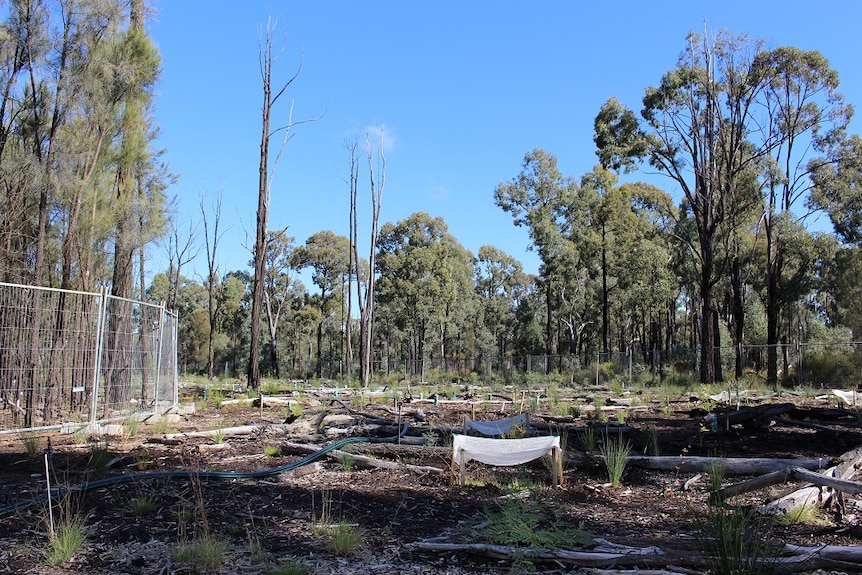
[
  {"x": 182, "y": 249},
  {"x": 264, "y": 186},
  {"x": 212, "y": 240},
  {"x": 366, "y": 299}
]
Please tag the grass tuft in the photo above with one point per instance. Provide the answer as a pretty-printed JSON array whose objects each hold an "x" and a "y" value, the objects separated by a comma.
[
  {"x": 616, "y": 455},
  {"x": 65, "y": 542}
]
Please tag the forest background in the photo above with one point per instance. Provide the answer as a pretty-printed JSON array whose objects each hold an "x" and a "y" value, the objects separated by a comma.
[{"x": 721, "y": 212}]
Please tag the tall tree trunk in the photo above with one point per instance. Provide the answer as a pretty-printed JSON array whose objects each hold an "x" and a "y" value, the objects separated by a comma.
[{"x": 253, "y": 370}]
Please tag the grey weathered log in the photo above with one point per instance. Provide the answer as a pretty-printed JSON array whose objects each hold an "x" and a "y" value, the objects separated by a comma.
[
  {"x": 791, "y": 559},
  {"x": 728, "y": 465},
  {"x": 760, "y": 482},
  {"x": 359, "y": 460},
  {"x": 842, "y": 485},
  {"x": 636, "y": 556}
]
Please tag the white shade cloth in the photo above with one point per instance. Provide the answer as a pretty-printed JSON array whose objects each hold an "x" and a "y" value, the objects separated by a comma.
[{"x": 501, "y": 452}]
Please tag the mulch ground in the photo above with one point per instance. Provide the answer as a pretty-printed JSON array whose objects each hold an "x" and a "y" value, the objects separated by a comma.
[{"x": 275, "y": 520}]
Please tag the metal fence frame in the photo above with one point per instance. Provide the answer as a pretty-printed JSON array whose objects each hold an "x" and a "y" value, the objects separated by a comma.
[{"x": 74, "y": 357}]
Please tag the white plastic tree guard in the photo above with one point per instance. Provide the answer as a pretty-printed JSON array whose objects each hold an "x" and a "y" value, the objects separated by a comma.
[{"x": 506, "y": 452}]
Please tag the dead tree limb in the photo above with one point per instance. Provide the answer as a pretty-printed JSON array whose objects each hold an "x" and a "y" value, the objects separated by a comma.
[{"x": 359, "y": 460}]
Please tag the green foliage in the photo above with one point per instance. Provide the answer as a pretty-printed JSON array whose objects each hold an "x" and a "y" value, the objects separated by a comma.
[
  {"x": 142, "y": 505},
  {"x": 272, "y": 451},
  {"x": 288, "y": 568},
  {"x": 218, "y": 436},
  {"x": 207, "y": 551},
  {"x": 217, "y": 397},
  {"x": 97, "y": 464},
  {"x": 130, "y": 427},
  {"x": 734, "y": 541},
  {"x": 32, "y": 444},
  {"x": 347, "y": 462},
  {"x": 831, "y": 369},
  {"x": 615, "y": 453},
  {"x": 345, "y": 539},
  {"x": 270, "y": 387},
  {"x": 66, "y": 540},
  {"x": 523, "y": 523},
  {"x": 588, "y": 438}
]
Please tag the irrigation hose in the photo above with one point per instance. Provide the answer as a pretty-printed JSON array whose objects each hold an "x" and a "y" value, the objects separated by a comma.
[{"x": 197, "y": 474}]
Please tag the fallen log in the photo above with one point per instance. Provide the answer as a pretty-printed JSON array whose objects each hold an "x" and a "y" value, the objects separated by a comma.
[
  {"x": 747, "y": 415},
  {"x": 787, "y": 558},
  {"x": 727, "y": 465},
  {"x": 837, "y": 484},
  {"x": 761, "y": 482},
  {"x": 817, "y": 426},
  {"x": 359, "y": 460},
  {"x": 847, "y": 465},
  {"x": 630, "y": 556}
]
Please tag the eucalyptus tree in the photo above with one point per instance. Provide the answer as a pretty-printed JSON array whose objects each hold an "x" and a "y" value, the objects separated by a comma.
[
  {"x": 328, "y": 254},
  {"x": 804, "y": 115},
  {"x": 730, "y": 106},
  {"x": 279, "y": 280},
  {"x": 501, "y": 284},
  {"x": 234, "y": 298},
  {"x": 425, "y": 282},
  {"x": 537, "y": 199}
]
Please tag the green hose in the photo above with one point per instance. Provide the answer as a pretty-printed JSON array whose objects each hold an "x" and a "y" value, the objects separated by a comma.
[{"x": 191, "y": 474}]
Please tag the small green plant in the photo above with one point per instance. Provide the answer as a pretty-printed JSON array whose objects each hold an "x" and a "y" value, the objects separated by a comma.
[
  {"x": 272, "y": 451},
  {"x": 431, "y": 438},
  {"x": 207, "y": 551},
  {"x": 733, "y": 541},
  {"x": 80, "y": 436},
  {"x": 652, "y": 442},
  {"x": 522, "y": 523},
  {"x": 161, "y": 426},
  {"x": 130, "y": 428},
  {"x": 716, "y": 475},
  {"x": 806, "y": 514},
  {"x": 64, "y": 542},
  {"x": 289, "y": 568},
  {"x": 615, "y": 453},
  {"x": 347, "y": 462},
  {"x": 296, "y": 409},
  {"x": 270, "y": 388},
  {"x": 621, "y": 415},
  {"x": 97, "y": 464},
  {"x": 217, "y": 398},
  {"x": 587, "y": 438},
  {"x": 345, "y": 539},
  {"x": 32, "y": 444},
  {"x": 218, "y": 436},
  {"x": 142, "y": 505},
  {"x": 142, "y": 460}
]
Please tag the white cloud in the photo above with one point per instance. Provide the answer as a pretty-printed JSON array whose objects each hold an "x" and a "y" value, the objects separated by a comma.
[{"x": 375, "y": 133}]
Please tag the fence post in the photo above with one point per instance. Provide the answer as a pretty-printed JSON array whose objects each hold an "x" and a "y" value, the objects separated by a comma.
[
  {"x": 100, "y": 344},
  {"x": 160, "y": 350}
]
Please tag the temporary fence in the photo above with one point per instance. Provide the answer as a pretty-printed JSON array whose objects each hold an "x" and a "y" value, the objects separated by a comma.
[{"x": 82, "y": 357}]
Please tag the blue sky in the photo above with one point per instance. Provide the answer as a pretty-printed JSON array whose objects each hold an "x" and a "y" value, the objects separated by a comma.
[{"x": 464, "y": 90}]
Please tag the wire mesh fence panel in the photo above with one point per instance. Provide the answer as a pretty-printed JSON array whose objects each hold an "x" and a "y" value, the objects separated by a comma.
[{"x": 56, "y": 365}]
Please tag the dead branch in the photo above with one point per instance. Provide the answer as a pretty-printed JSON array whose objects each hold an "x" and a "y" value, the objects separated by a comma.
[
  {"x": 359, "y": 460},
  {"x": 728, "y": 465}
]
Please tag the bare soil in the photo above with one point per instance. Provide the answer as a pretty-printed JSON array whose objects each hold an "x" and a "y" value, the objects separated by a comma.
[{"x": 274, "y": 520}]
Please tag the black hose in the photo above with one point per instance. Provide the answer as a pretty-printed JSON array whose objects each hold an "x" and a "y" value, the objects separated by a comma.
[{"x": 197, "y": 474}]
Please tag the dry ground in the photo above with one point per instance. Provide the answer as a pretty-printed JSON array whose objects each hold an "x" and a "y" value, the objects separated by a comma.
[{"x": 274, "y": 521}]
